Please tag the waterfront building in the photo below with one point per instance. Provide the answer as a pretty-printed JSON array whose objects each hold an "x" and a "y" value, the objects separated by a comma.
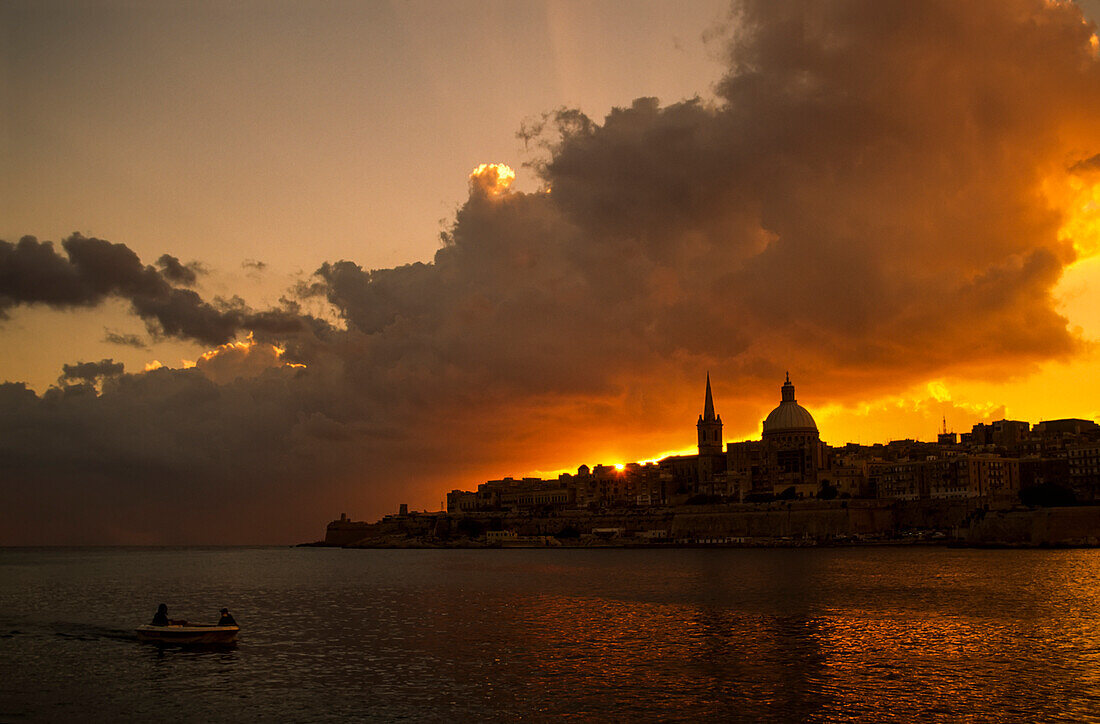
[
  {"x": 461, "y": 501},
  {"x": 748, "y": 460},
  {"x": 511, "y": 494},
  {"x": 538, "y": 495},
  {"x": 1083, "y": 468},
  {"x": 682, "y": 472},
  {"x": 1000, "y": 433},
  {"x": 898, "y": 480},
  {"x": 991, "y": 477},
  {"x": 792, "y": 446},
  {"x": 847, "y": 479},
  {"x": 711, "y": 461},
  {"x": 949, "y": 479},
  {"x": 994, "y": 477},
  {"x": 1069, "y": 427}
]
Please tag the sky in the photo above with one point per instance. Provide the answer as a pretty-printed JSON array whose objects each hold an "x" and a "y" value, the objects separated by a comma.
[{"x": 250, "y": 278}]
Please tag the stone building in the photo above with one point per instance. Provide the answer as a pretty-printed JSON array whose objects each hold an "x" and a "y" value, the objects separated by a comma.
[
  {"x": 792, "y": 446},
  {"x": 1084, "y": 470},
  {"x": 682, "y": 472},
  {"x": 711, "y": 462},
  {"x": 1073, "y": 428},
  {"x": 1000, "y": 433},
  {"x": 897, "y": 480}
]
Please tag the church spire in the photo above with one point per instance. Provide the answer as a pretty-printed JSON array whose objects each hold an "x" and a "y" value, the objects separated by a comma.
[
  {"x": 708, "y": 404},
  {"x": 709, "y": 427}
]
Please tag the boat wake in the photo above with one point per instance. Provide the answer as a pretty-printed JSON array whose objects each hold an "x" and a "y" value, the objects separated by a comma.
[{"x": 66, "y": 630}]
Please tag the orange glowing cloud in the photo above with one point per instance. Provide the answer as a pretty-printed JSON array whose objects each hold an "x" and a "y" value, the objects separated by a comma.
[
  {"x": 862, "y": 204},
  {"x": 242, "y": 359},
  {"x": 1082, "y": 224},
  {"x": 492, "y": 179}
]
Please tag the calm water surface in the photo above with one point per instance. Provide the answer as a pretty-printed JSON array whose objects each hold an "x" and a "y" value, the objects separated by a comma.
[{"x": 838, "y": 634}]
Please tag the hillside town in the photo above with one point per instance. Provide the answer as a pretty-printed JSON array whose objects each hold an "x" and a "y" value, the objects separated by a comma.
[
  {"x": 984, "y": 485},
  {"x": 993, "y": 462}
]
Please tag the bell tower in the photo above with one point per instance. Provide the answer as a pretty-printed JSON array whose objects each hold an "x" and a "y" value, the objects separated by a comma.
[{"x": 709, "y": 427}]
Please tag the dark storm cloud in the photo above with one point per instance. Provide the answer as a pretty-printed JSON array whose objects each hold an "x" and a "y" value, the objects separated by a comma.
[
  {"x": 1087, "y": 166},
  {"x": 866, "y": 189},
  {"x": 90, "y": 371},
  {"x": 174, "y": 271},
  {"x": 32, "y": 272},
  {"x": 125, "y": 340},
  {"x": 865, "y": 201}
]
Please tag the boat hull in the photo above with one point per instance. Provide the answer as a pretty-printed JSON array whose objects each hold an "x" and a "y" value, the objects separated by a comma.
[{"x": 189, "y": 634}]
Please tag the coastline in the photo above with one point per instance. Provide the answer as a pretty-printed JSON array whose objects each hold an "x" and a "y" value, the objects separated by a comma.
[
  {"x": 842, "y": 524},
  {"x": 475, "y": 545}
]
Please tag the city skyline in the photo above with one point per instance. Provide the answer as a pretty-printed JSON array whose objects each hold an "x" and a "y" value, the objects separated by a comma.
[
  {"x": 946, "y": 427},
  {"x": 998, "y": 464},
  {"x": 340, "y": 256}
]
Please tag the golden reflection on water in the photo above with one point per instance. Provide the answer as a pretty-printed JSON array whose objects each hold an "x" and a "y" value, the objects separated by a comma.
[
  {"x": 612, "y": 635},
  {"x": 834, "y": 641}
]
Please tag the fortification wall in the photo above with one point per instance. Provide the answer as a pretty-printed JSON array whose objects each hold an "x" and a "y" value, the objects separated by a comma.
[
  {"x": 342, "y": 533},
  {"x": 1045, "y": 526},
  {"x": 584, "y": 522},
  {"x": 941, "y": 514},
  {"x": 819, "y": 520}
]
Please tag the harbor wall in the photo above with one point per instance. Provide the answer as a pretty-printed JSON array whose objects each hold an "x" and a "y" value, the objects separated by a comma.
[
  {"x": 819, "y": 524},
  {"x": 818, "y": 519},
  {"x": 1076, "y": 526},
  {"x": 960, "y": 520}
]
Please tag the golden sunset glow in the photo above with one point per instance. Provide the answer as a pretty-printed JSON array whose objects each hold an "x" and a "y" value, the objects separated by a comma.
[
  {"x": 493, "y": 178},
  {"x": 669, "y": 453},
  {"x": 1082, "y": 226},
  {"x": 243, "y": 359},
  {"x": 238, "y": 358},
  {"x": 280, "y": 351},
  {"x": 907, "y": 222},
  {"x": 244, "y": 346}
]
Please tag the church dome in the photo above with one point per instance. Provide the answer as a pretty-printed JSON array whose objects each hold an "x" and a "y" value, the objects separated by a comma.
[{"x": 789, "y": 416}]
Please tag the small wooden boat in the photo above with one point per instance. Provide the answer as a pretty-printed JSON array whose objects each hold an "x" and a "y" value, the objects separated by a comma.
[{"x": 189, "y": 633}]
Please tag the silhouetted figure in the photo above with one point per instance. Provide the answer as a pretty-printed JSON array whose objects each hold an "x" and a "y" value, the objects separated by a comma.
[
  {"x": 160, "y": 618},
  {"x": 227, "y": 619}
]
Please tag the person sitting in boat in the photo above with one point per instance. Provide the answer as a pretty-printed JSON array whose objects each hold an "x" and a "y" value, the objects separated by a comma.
[
  {"x": 160, "y": 618},
  {"x": 227, "y": 618}
]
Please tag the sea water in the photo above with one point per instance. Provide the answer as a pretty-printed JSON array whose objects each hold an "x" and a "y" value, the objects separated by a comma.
[{"x": 837, "y": 634}]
